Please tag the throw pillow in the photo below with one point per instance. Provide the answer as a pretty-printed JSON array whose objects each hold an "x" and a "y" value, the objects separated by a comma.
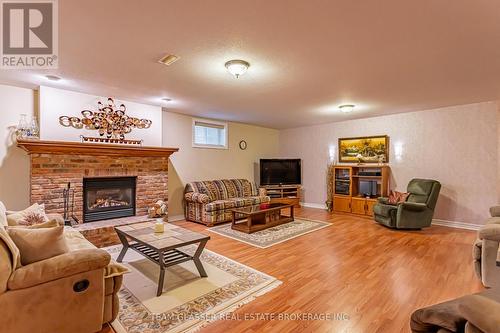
[
  {"x": 49, "y": 224},
  {"x": 3, "y": 215},
  {"x": 38, "y": 244},
  {"x": 396, "y": 197},
  {"x": 34, "y": 214}
]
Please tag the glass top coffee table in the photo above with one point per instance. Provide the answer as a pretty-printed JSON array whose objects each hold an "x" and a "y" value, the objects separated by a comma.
[
  {"x": 259, "y": 217},
  {"x": 161, "y": 248}
]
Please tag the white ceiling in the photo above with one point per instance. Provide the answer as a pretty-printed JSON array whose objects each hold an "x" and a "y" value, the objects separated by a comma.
[{"x": 306, "y": 56}]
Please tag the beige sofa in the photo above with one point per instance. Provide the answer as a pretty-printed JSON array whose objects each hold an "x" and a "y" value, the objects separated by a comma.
[
  {"x": 486, "y": 250},
  {"x": 74, "y": 292}
]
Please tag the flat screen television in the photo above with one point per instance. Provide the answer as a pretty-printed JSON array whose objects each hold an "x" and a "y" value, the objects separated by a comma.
[{"x": 280, "y": 172}]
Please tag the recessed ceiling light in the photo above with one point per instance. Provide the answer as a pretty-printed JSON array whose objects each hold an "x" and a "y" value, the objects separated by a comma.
[
  {"x": 166, "y": 99},
  {"x": 169, "y": 59},
  {"x": 52, "y": 77},
  {"x": 346, "y": 108},
  {"x": 237, "y": 67}
]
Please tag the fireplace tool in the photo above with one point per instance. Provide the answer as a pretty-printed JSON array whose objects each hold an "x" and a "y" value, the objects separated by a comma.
[{"x": 69, "y": 206}]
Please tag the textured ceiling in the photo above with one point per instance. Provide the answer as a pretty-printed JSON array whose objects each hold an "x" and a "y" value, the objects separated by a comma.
[{"x": 307, "y": 57}]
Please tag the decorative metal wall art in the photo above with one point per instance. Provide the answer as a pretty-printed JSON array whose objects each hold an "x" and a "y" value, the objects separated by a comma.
[{"x": 110, "y": 121}]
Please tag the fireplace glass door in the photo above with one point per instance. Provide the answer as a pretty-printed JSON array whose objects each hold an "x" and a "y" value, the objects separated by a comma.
[{"x": 107, "y": 198}]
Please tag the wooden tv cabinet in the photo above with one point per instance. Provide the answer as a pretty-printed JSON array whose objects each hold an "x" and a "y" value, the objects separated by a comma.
[
  {"x": 285, "y": 194},
  {"x": 346, "y": 187}
]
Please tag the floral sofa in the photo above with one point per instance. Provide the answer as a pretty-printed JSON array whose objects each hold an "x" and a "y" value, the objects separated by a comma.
[{"x": 208, "y": 202}]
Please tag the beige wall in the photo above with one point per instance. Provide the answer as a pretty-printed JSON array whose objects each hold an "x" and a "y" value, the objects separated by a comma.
[
  {"x": 14, "y": 163},
  {"x": 191, "y": 164},
  {"x": 456, "y": 145},
  {"x": 59, "y": 102}
]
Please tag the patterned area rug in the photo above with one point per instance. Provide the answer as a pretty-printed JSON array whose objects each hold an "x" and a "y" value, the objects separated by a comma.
[
  {"x": 188, "y": 302},
  {"x": 272, "y": 236}
]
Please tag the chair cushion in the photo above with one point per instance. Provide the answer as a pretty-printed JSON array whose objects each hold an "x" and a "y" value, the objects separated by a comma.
[
  {"x": 49, "y": 224},
  {"x": 220, "y": 204},
  {"x": 419, "y": 190},
  {"x": 493, "y": 220},
  {"x": 396, "y": 197},
  {"x": 14, "y": 251},
  {"x": 34, "y": 214},
  {"x": 38, "y": 244}
]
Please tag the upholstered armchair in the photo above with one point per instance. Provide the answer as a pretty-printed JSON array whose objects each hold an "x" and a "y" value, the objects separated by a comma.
[
  {"x": 73, "y": 292},
  {"x": 486, "y": 250},
  {"x": 416, "y": 212}
]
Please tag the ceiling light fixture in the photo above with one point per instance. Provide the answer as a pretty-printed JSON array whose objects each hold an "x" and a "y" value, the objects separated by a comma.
[
  {"x": 237, "y": 67},
  {"x": 169, "y": 59},
  {"x": 346, "y": 108},
  {"x": 166, "y": 99},
  {"x": 53, "y": 77}
]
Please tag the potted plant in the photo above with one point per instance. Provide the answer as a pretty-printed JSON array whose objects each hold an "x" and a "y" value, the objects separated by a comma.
[{"x": 330, "y": 175}]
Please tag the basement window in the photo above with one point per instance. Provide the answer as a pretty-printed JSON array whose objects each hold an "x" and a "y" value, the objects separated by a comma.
[{"x": 209, "y": 134}]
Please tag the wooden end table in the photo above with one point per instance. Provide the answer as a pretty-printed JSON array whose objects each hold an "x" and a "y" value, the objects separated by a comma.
[
  {"x": 162, "y": 248},
  {"x": 260, "y": 217}
]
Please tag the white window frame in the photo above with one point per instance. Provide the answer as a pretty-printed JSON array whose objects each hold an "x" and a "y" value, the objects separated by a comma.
[{"x": 210, "y": 122}]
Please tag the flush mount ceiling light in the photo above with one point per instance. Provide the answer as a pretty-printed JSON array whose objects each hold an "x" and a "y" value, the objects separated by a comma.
[
  {"x": 346, "y": 108},
  {"x": 53, "y": 77},
  {"x": 237, "y": 67},
  {"x": 166, "y": 99},
  {"x": 169, "y": 59}
]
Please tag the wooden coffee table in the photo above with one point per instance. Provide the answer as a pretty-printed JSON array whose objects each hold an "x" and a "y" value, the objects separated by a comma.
[
  {"x": 260, "y": 217},
  {"x": 162, "y": 248}
]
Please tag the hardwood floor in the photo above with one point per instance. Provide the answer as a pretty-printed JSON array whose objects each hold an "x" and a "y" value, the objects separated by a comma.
[{"x": 377, "y": 276}]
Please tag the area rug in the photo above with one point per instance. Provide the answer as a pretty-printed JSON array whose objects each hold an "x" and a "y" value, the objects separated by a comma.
[
  {"x": 188, "y": 302},
  {"x": 272, "y": 236}
]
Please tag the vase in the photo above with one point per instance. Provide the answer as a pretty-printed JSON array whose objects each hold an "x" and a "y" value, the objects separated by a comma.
[
  {"x": 22, "y": 127},
  {"x": 34, "y": 130}
]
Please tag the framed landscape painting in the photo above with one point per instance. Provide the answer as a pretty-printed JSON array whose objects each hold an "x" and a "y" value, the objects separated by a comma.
[{"x": 367, "y": 149}]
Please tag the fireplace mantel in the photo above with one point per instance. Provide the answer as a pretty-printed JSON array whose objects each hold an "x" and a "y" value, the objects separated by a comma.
[
  {"x": 54, "y": 164},
  {"x": 96, "y": 149}
]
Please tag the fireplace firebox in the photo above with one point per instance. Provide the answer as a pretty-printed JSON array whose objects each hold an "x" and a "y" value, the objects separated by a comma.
[{"x": 108, "y": 198}]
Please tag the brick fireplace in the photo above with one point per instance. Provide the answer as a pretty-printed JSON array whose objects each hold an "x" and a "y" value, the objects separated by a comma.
[{"x": 55, "y": 164}]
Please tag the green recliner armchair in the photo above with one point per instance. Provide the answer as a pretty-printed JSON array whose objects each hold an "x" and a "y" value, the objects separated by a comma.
[{"x": 416, "y": 212}]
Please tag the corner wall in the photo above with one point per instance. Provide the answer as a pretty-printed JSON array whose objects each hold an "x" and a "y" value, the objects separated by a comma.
[
  {"x": 14, "y": 163},
  {"x": 190, "y": 164},
  {"x": 459, "y": 146}
]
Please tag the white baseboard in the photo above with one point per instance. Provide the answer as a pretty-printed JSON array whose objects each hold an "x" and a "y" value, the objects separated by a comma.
[
  {"x": 313, "y": 205},
  {"x": 444, "y": 223},
  {"x": 456, "y": 224},
  {"x": 175, "y": 218}
]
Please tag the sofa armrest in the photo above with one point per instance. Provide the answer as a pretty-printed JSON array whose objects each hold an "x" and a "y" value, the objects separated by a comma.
[
  {"x": 482, "y": 312},
  {"x": 262, "y": 192},
  {"x": 490, "y": 232},
  {"x": 495, "y": 211},
  {"x": 58, "y": 267},
  {"x": 413, "y": 206},
  {"x": 383, "y": 200},
  {"x": 197, "y": 197}
]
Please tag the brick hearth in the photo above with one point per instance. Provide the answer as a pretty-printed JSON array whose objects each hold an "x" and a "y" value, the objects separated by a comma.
[{"x": 53, "y": 168}]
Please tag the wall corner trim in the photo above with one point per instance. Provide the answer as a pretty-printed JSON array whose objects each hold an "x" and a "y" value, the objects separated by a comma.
[
  {"x": 175, "y": 218},
  {"x": 443, "y": 223},
  {"x": 312, "y": 205},
  {"x": 456, "y": 224}
]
